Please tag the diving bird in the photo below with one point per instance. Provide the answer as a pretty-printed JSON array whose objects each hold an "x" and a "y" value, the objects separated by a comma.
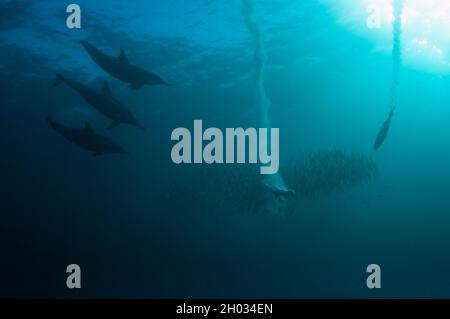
[
  {"x": 87, "y": 139},
  {"x": 280, "y": 192},
  {"x": 121, "y": 68},
  {"x": 382, "y": 134},
  {"x": 103, "y": 102}
]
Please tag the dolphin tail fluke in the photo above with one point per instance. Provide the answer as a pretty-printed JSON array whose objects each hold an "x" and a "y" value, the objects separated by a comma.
[{"x": 58, "y": 80}]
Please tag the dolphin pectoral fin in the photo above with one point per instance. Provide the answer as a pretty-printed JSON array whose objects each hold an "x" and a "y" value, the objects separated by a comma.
[
  {"x": 123, "y": 57},
  {"x": 113, "y": 125},
  {"x": 106, "y": 89},
  {"x": 59, "y": 79}
]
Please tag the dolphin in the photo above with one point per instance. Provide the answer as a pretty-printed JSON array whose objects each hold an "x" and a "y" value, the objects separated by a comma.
[
  {"x": 121, "y": 68},
  {"x": 87, "y": 139},
  {"x": 382, "y": 134},
  {"x": 103, "y": 102}
]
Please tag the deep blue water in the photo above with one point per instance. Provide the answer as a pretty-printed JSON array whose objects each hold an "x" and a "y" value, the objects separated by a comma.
[{"x": 141, "y": 226}]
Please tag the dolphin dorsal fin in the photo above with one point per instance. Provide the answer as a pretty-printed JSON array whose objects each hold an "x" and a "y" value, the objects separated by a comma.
[
  {"x": 88, "y": 127},
  {"x": 106, "y": 89},
  {"x": 123, "y": 57}
]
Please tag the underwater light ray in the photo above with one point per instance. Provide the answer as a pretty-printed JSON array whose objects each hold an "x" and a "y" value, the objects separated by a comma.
[
  {"x": 275, "y": 181},
  {"x": 396, "y": 60}
]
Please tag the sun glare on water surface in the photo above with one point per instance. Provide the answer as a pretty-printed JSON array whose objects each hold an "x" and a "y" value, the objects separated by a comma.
[{"x": 425, "y": 28}]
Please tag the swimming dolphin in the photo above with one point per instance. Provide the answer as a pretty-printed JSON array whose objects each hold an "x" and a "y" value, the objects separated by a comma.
[
  {"x": 280, "y": 192},
  {"x": 382, "y": 134},
  {"x": 103, "y": 102},
  {"x": 121, "y": 68},
  {"x": 87, "y": 139}
]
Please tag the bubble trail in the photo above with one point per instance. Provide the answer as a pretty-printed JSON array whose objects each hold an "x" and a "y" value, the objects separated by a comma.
[
  {"x": 274, "y": 181},
  {"x": 396, "y": 64}
]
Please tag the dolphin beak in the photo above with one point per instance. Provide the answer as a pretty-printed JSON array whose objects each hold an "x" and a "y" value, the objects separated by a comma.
[
  {"x": 84, "y": 43},
  {"x": 123, "y": 152},
  {"x": 137, "y": 124}
]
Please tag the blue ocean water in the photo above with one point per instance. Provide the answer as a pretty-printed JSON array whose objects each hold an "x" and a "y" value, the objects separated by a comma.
[{"x": 141, "y": 226}]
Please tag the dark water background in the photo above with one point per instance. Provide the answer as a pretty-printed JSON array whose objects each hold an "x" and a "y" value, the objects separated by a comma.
[{"x": 140, "y": 226}]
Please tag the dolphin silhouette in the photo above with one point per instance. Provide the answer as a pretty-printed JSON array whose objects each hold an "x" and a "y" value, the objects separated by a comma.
[
  {"x": 121, "y": 68},
  {"x": 87, "y": 139},
  {"x": 384, "y": 130},
  {"x": 103, "y": 102}
]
